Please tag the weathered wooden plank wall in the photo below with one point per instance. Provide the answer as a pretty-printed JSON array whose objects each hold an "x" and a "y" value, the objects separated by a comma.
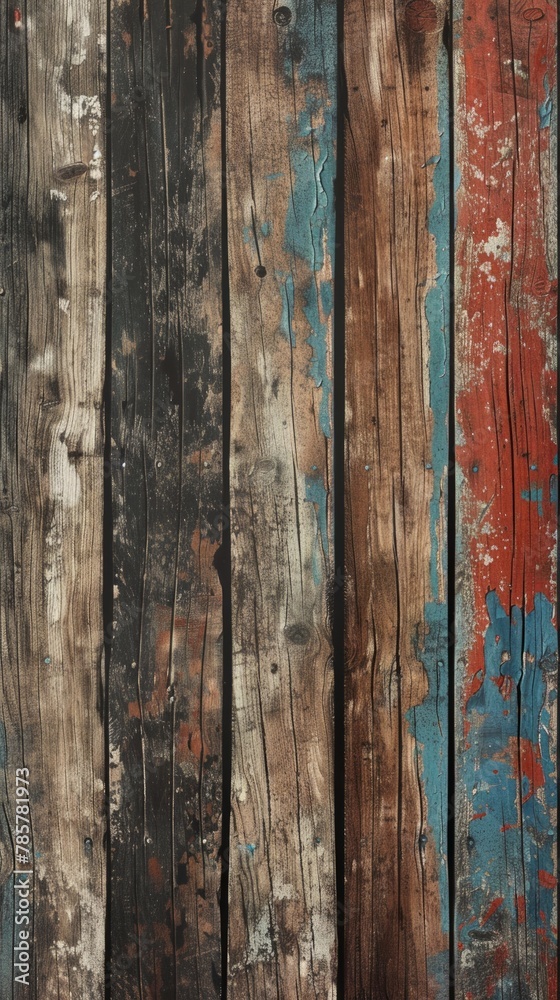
[
  {"x": 280, "y": 105},
  {"x": 52, "y": 343},
  {"x": 165, "y": 676},
  {"x": 507, "y": 647},
  {"x": 172, "y": 98},
  {"x": 397, "y": 248}
]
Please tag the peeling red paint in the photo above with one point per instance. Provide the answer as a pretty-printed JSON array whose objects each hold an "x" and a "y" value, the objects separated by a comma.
[
  {"x": 549, "y": 881},
  {"x": 494, "y": 905}
]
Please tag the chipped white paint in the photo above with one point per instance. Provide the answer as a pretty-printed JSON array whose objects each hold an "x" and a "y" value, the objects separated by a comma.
[
  {"x": 499, "y": 244},
  {"x": 80, "y": 107}
]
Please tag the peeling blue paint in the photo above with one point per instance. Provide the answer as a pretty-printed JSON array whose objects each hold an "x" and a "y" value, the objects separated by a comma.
[
  {"x": 310, "y": 219},
  {"x": 438, "y": 972},
  {"x": 287, "y": 292},
  {"x": 266, "y": 228},
  {"x": 534, "y": 495},
  {"x": 438, "y": 316},
  {"x": 428, "y": 721},
  {"x": 317, "y": 494},
  {"x": 546, "y": 108},
  {"x": 249, "y": 237},
  {"x": 327, "y": 297},
  {"x": 428, "y": 725},
  {"x": 520, "y": 661}
]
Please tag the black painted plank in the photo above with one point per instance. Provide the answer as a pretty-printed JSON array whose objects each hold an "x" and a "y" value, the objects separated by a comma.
[{"x": 165, "y": 677}]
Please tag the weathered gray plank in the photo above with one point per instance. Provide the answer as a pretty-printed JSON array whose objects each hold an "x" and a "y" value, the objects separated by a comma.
[
  {"x": 281, "y": 98},
  {"x": 52, "y": 275}
]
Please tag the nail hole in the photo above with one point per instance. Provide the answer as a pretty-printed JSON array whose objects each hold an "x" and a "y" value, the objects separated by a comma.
[
  {"x": 260, "y": 271},
  {"x": 282, "y": 16}
]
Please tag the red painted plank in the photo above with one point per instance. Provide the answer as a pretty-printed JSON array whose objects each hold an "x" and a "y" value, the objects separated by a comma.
[{"x": 506, "y": 279}]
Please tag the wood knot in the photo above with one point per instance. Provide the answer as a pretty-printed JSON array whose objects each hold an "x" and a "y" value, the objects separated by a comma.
[
  {"x": 260, "y": 271},
  {"x": 282, "y": 16},
  {"x": 541, "y": 286},
  {"x": 533, "y": 14},
  {"x": 70, "y": 171},
  {"x": 421, "y": 15},
  {"x": 298, "y": 633},
  {"x": 265, "y": 467}
]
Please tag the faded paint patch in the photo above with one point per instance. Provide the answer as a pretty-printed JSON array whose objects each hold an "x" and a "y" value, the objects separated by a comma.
[
  {"x": 509, "y": 776},
  {"x": 428, "y": 721},
  {"x": 317, "y": 494},
  {"x": 546, "y": 107}
]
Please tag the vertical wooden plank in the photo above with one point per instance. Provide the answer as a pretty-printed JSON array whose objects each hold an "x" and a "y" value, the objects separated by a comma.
[
  {"x": 281, "y": 97},
  {"x": 507, "y": 649},
  {"x": 52, "y": 341},
  {"x": 165, "y": 690},
  {"x": 397, "y": 234}
]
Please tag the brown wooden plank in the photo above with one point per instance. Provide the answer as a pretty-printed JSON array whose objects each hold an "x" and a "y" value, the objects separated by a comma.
[
  {"x": 52, "y": 278},
  {"x": 506, "y": 391},
  {"x": 397, "y": 234},
  {"x": 281, "y": 97},
  {"x": 165, "y": 679}
]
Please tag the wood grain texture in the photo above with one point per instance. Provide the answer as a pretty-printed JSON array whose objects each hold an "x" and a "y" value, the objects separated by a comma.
[
  {"x": 281, "y": 97},
  {"x": 52, "y": 279},
  {"x": 166, "y": 667},
  {"x": 507, "y": 647},
  {"x": 397, "y": 234}
]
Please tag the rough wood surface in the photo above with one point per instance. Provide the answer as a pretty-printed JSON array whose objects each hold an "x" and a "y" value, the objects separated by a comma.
[
  {"x": 507, "y": 648},
  {"x": 281, "y": 95},
  {"x": 397, "y": 234},
  {"x": 165, "y": 678},
  {"x": 52, "y": 280}
]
